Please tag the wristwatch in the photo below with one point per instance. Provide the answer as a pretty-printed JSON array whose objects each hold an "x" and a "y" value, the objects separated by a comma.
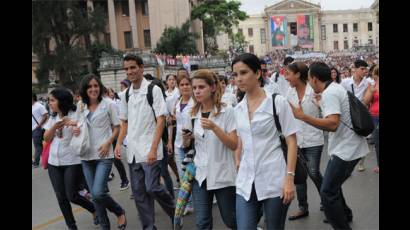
[{"x": 291, "y": 173}]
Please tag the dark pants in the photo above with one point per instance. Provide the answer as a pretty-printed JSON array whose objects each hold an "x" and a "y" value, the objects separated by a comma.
[
  {"x": 37, "y": 136},
  {"x": 376, "y": 137},
  {"x": 203, "y": 198},
  {"x": 249, "y": 212},
  {"x": 146, "y": 187},
  {"x": 165, "y": 173},
  {"x": 66, "y": 181},
  {"x": 334, "y": 203},
  {"x": 312, "y": 156},
  {"x": 96, "y": 173},
  {"x": 120, "y": 166},
  {"x": 171, "y": 158}
]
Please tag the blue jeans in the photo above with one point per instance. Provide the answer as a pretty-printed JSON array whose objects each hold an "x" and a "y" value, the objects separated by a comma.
[
  {"x": 376, "y": 137},
  {"x": 165, "y": 172},
  {"x": 96, "y": 174},
  {"x": 334, "y": 203},
  {"x": 203, "y": 198},
  {"x": 38, "y": 144},
  {"x": 312, "y": 156},
  {"x": 248, "y": 213}
]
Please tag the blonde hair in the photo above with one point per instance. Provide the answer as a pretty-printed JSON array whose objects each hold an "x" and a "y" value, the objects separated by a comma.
[
  {"x": 211, "y": 79},
  {"x": 376, "y": 70}
]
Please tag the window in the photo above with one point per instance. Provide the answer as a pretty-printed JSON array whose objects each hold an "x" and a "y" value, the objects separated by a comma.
[
  {"x": 355, "y": 27},
  {"x": 334, "y": 28},
  {"x": 370, "y": 41},
  {"x": 355, "y": 42},
  {"x": 251, "y": 49},
  {"x": 128, "y": 40},
  {"x": 344, "y": 28},
  {"x": 336, "y": 45},
  {"x": 263, "y": 36},
  {"x": 323, "y": 32},
  {"x": 293, "y": 28},
  {"x": 240, "y": 31},
  {"x": 147, "y": 38},
  {"x": 250, "y": 32},
  {"x": 345, "y": 45},
  {"x": 144, "y": 7},
  {"x": 369, "y": 26},
  {"x": 107, "y": 38},
  {"x": 125, "y": 9}
]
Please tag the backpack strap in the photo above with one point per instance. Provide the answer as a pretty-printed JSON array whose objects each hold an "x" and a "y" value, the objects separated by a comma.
[
  {"x": 150, "y": 98},
  {"x": 275, "y": 115},
  {"x": 352, "y": 89},
  {"x": 127, "y": 94}
]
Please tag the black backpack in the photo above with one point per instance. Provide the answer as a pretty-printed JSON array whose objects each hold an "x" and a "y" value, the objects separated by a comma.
[
  {"x": 150, "y": 99},
  {"x": 359, "y": 114}
]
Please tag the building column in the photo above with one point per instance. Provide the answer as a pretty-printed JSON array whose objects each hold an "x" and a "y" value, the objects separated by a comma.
[
  {"x": 133, "y": 22},
  {"x": 113, "y": 24}
]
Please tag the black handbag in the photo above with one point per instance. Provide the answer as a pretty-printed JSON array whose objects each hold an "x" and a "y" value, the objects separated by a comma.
[{"x": 301, "y": 166}]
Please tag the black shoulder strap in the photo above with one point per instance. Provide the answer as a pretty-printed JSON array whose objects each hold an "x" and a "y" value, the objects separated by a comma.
[
  {"x": 275, "y": 115},
  {"x": 150, "y": 98},
  {"x": 35, "y": 119},
  {"x": 352, "y": 88},
  {"x": 127, "y": 94},
  {"x": 276, "y": 76}
]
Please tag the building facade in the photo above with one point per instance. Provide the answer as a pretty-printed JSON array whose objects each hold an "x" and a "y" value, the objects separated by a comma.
[{"x": 298, "y": 25}]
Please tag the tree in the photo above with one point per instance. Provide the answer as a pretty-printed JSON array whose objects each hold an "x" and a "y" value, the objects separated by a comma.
[
  {"x": 217, "y": 16},
  {"x": 64, "y": 26},
  {"x": 238, "y": 42},
  {"x": 175, "y": 40}
]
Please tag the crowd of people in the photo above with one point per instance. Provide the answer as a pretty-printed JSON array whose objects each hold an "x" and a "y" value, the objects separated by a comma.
[{"x": 247, "y": 131}]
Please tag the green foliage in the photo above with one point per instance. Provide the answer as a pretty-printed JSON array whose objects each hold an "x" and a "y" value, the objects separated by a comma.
[
  {"x": 238, "y": 42},
  {"x": 175, "y": 40},
  {"x": 217, "y": 16},
  {"x": 66, "y": 25}
]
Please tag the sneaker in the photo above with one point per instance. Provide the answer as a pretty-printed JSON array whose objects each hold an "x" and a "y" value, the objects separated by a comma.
[
  {"x": 35, "y": 165},
  {"x": 361, "y": 168},
  {"x": 124, "y": 185},
  {"x": 110, "y": 177},
  {"x": 188, "y": 210}
]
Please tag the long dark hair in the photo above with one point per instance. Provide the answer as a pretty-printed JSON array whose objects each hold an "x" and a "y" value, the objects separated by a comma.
[
  {"x": 337, "y": 74},
  {"x": 84, "y": 87},
  {"x": 252, "y": 62},
  {"x": 65, "y": 100}
]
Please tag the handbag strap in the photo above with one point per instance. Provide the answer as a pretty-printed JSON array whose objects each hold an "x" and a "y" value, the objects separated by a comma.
[
  {"x": 275, "y": 115},
  {"x": 35, "y": 119}
]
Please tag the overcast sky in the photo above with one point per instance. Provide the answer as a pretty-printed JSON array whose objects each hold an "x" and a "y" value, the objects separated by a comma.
[{"x": 257, "y": 6}]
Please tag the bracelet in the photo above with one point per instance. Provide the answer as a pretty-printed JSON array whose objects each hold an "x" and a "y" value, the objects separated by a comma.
[{"x": 291, "y": 173}]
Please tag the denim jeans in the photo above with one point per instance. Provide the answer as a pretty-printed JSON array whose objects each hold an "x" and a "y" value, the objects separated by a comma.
[
  {"x": 96, "y": 173},
  {"x": 38, "y": 144},
  {"x": 248, "y": 212},
  {"x": 376, "y": 136},
  {"x": 334, "y": 203},
  {"x": 65, "y": 181},
  {"x": 312, "y": 156},
  {"x": 203, "y": 198},
  {"x": 165, "y": 173}
]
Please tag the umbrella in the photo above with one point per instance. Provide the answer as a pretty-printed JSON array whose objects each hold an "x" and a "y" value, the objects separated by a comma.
[{"x": 185, "y": 189}]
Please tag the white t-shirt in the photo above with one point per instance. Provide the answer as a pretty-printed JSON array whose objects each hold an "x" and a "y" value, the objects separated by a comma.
[
  {"x": 214, "y": 161},
  {"x": 100, "y": 130},
  {"x": 38, "y": 110},
  {"x": 171, "y": 101},
  {"x": 141, "y": 121},
  {"x": 308, "y": 136},
  {"x": 262, "y": 160},
  {"x": 229, "y": 99},
  {"x": 344, "y": 143},
  {"x": 359, "y": 90},
  {"x": 61, "y": 152}
]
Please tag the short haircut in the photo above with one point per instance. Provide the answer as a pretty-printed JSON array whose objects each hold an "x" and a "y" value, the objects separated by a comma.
[
  {"x": 149, "y": 77},
  {"x": 135, "y": 58},
  {"x": 301, "y": 68},
  {"x": 65, "y": 100},
  {"x": 84, "y": 86},
  {"x": 288, "y": 60},
  {"x": 321, "y": 71},
  {"x": 360, "y": 63}
]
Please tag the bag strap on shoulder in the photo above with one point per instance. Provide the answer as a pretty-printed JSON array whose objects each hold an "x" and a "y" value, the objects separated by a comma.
[{"x": 275, "y": 115}]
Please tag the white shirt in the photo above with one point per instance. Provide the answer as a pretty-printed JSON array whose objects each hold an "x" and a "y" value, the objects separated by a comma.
[
  {"x": 229, "y": 99},
  {"x": 308, "y": 136},
  {"x": 262, "y": 160},
  {"x": 141, "y": 121},
  {"x": 182, "y": 117},
  {"x": 344, "y": 143},
  {"x": 272, "y": 87},
  {"x": 359, "y": 90},
  {"x": 231, "y": 88},
  {"x": 214, "y": 161},
  {"x": 100, "y": 129},
  {"x": 283, "y": 84},
  {"x": 61, "y": 152},
  {"x": 38, "y": 110},
  {"x": 175, "y": 91},
  {"x": 171, "y": 101}
]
